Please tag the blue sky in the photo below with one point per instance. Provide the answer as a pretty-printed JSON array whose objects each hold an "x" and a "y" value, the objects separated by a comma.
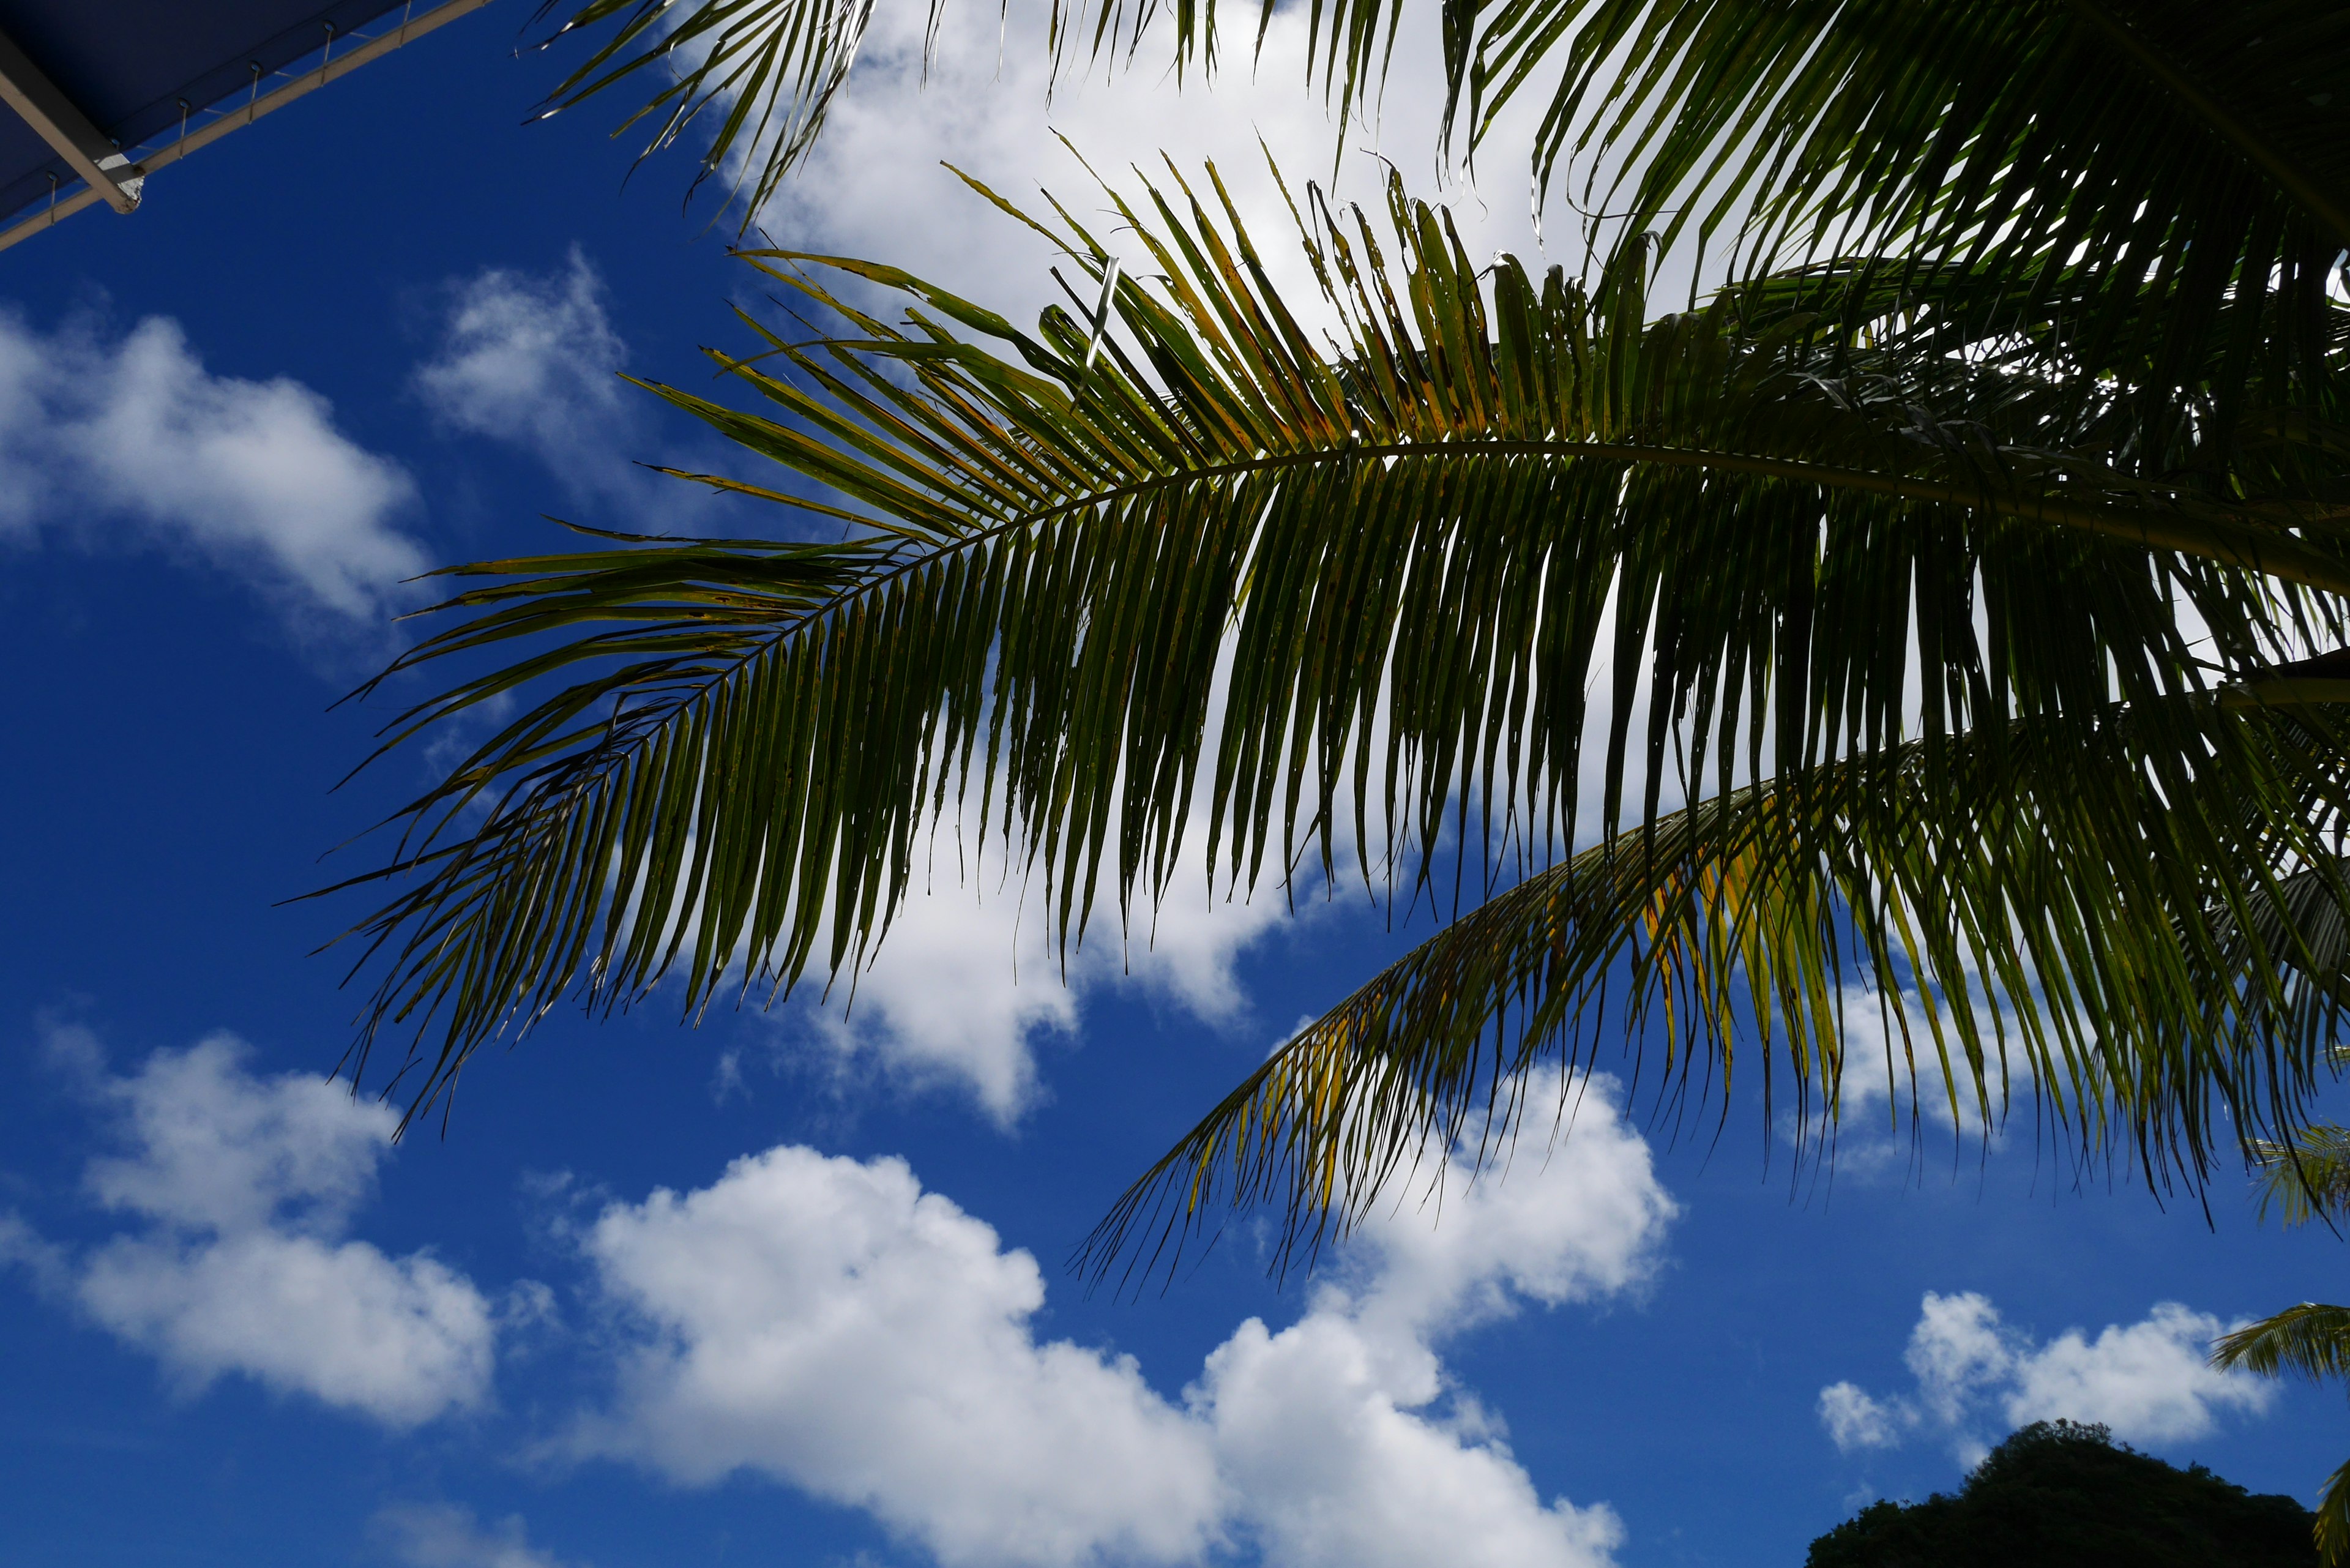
[{"x": 789, "y": 1287}]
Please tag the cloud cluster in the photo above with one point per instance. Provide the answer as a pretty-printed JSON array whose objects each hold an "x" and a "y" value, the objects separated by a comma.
[
  {"x": 2150, "y": 1381},
  {"x": 240, "y": 1191},
  {"x": 969, "y": 982},
  {"x": 830, "y": 1324},
  {"x": 103, "y": 437},
  {"x": 986, "y": 102},
  {"x": 532, "y": 360}
]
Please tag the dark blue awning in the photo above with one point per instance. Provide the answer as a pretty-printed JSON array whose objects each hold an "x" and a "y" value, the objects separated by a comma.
[{"x": 139, "y": 69}]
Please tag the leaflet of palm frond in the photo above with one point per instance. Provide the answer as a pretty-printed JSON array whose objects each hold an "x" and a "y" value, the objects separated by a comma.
[
  {"x": 2117, "y": 393},
  {"x": 2332, "y": 1528},
  {"x": 2085, "y": 150},
  {"x": 2312, "y": 1340},
  {"x": 2306, "y": 1177},
  {"x": 2058, "y": 148},
  {"x": 1414, "y": 546},
  {"x": 2304, "y": 928},
  {"x": 2036, "y": 907},
  {"x": 765, "y": 71}
]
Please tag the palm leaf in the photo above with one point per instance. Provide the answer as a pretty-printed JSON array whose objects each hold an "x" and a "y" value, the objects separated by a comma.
[
  {"x": 758, "y": 76},
  {"x": 2310, "y": 1340},
  {"x": 1773, "y": 912},
  {"x": 2307, "y": 1177},
  {"x": 2332, "y": 1528},
  {"x": 2071, "y": 150},
  {"x": 2059, "y": 155},
  {"x": 1415, "y": 546}
]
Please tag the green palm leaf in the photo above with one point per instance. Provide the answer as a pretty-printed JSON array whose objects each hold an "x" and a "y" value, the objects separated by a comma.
[
  {"x": 1774, "y": 911},
  {"x": 2313, "y": 1341},
  {"x": 2032, "y": 155},
  {"x": 757, "y": 75},
  {"x": 1893, "y": 583},
  {"x": 2307, "y": 1177},
  {"x": 2062, "y": 154}
]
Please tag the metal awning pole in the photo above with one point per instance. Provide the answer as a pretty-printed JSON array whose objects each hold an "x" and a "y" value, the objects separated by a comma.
[{"x": 43, "y": 104}]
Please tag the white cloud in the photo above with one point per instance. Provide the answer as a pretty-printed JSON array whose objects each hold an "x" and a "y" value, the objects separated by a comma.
[
  {"x": 2149, "y": 1381},
  {"x": 970, "y": 980},
  {"x": 532, "y": 359},
  {"x": 1855, "y": 1421},
  {"x": 1556, "y": 1218},
  {"x": 242, "y": 1187},
  {"x": 1321, "y": 1429},
  {"x": 1333, "y": 1433},
  {"x": 829, "y": 1323},
  {"x": 402, "y": 1340},
  {"x": 874, "y": 186},
  {"x": 100, "y": 433},
  {"x": 438, "y": 1536},
  {"x": 2152, "y": 1379},
  {"x": 1959, "y": 1350}
]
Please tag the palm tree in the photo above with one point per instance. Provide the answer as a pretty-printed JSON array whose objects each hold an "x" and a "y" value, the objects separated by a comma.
[
  {"x": 1951, "y": 577},
  {"x": 2305, "y": 1179}
]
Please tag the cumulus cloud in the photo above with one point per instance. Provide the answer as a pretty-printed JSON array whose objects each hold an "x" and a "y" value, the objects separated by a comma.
[
  {"x": 831, "y": 1324},
  {"x": 2150, "y": 1381},
  {"x": 528, "y": 358},
  {"x": 104, "y": 437},
  {"x": 241, "y": 1190},
  {"x": 1336, "y": 1435},
  {"x": 987, "y": 104},
  {"x": 1856, "y": 1419},
  {"x": 531, "y": 359},
  {"x": 438, "y": 1536},
  {"x": 969, "y": 982}
]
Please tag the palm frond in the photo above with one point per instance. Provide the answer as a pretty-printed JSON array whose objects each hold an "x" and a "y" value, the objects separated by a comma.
[
  {"x": 2307, "y": 1177},
  {"x": 2052, "y": 155},
  {"x": 2025, "y": 910},
  {"x": 758, "y": 76},
  {"x": 2060, "y": 154},
  {"x": 1418, "y": 545},
  {"x": 2332, "y": 1528},
  {"x": 2312, "y": 1340}
]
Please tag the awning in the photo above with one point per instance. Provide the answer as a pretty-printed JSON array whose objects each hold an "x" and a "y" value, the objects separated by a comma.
[{"x": 104, "y": 92}]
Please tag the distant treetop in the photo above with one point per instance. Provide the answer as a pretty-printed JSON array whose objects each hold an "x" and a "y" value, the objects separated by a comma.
[{"x": 2063, "y": 1493}]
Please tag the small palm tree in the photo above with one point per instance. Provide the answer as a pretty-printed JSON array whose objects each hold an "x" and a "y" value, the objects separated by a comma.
[
  {"x": 1947, "y": 582},
  {"x": 2305, "y": 1179}
]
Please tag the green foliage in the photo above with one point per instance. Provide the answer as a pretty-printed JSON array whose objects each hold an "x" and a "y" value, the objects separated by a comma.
[
  {"x": 2307, "y": 1177},
  {"x": 1905, "y": 627},
  {"x": 2194, "y": 147},
  {"x": 2312, "y": 1340},
  {"x": 2059, "y": 1495},
  {"x": 1825, "y": 645},
  {"x": 755, "y": 76}
]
